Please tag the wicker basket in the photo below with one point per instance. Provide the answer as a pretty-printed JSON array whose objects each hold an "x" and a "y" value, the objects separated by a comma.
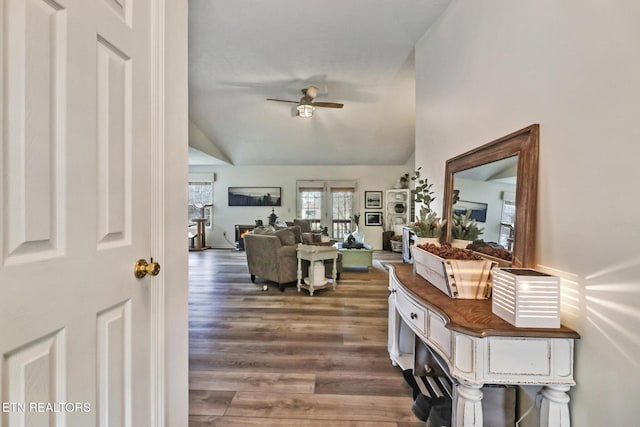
[{"x": 457, "y": 278}]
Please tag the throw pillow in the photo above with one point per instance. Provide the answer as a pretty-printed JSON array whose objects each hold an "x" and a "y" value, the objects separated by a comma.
[
  {"x": 311, "y": 238},
  {"x": 307, "y": 238},
  {"x": 297, "y": 232},
  {"x": 286, "y": 236}
]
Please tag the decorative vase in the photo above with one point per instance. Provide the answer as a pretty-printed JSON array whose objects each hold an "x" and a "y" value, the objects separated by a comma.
[
  {"x": 358, "y": 235},
  {"x": 399, "y": 207},
  {"x": 460, "y": 243},
  {"x": 273, "y": 217},
  {"x": 425, "y": 240}
]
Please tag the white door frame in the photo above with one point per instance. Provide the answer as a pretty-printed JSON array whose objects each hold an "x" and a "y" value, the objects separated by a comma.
[
  {"x": 169, "y": 244},
  {"x": 158, "y": 15}
]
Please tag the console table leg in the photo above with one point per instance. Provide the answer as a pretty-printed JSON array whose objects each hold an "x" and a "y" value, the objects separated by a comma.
[
  {"x": 554, "y": 411},
  {"x": 393, "y": 330},
  {"x": 468, "y": 405},
  {"x": 299, "y": 274}
]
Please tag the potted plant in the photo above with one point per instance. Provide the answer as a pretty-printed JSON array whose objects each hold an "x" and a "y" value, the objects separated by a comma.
[
  {"x": 427, "y": 224},
  {"x": 402, "y": 182},
  {"x": 428, "y": 227},
  {"x": 464, "y": 230},
  {"x": 422, "y": 192}
]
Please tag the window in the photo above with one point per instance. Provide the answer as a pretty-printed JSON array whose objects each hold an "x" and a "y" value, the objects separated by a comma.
[
  {"x": 311, "y": 202},
  {"x": 507, "y": 221},
  {"x": 200, "y": 200},
  {"x": 342, "y": 208},
  {"x": 328, "y": 204}
]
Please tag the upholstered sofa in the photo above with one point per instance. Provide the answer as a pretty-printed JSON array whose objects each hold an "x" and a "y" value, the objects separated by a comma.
[{"x": 271, "y": 255}]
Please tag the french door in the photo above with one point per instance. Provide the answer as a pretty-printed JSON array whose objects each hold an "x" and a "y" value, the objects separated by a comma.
[{"x": 330, "y": 204}]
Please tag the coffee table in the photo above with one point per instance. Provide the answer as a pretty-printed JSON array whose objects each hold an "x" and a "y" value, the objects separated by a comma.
[
  {"x": 313, "y": 254},
  {"x": 356, "y": 257}
]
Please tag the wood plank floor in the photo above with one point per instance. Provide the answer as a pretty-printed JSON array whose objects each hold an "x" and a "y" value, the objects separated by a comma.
[{"x": 288, "y": 359}]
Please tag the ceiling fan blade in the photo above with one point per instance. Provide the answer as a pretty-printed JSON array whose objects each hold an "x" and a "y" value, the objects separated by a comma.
[
  {"x": 328, "y": 104},
  {"x": 283, "y": 100}
]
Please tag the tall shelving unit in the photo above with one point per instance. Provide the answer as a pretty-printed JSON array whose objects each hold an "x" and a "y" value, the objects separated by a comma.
[{"x": 397, "y": 209}]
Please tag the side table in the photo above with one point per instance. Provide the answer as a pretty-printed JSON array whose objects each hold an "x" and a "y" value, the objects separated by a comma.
[
  {"x": 200, "y": 241},
  {"x": 314, "y": 254}
]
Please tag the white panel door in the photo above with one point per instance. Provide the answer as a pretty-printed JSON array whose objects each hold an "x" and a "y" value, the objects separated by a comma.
[{"x": 75, "y": 213}]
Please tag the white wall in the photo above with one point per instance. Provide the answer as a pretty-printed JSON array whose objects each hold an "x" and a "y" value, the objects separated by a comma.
[
  {"x": 492, "y": 67},
  {"x": 489, "y": 193},
  {"x": 370, "y": 178}
]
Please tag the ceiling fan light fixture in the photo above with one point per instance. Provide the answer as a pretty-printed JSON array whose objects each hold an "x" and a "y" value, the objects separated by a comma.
[
  {"x": 305, "y": 110},
  {"x": 311, "y": 92}
]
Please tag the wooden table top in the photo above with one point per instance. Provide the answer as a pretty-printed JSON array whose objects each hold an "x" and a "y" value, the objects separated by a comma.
[
  {"x": 470, "y": 317},
  {"x": 314, "y": 249}
]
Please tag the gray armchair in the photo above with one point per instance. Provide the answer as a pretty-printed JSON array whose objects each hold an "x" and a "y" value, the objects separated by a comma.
[{"x": 271, "y": 255}]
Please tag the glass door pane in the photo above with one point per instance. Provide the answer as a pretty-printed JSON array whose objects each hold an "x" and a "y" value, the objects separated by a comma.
[{"x": 342, "y": 212}]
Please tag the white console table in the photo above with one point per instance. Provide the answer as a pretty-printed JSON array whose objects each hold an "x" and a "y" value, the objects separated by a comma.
[{"x": 479, "y": 348}]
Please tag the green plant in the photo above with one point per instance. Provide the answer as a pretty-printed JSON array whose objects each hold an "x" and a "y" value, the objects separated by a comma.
[
  {"x": 456, "y": 197},
  {"x": 427, "y": 224},
  {"x": 465, "y": 228},
  {"x": 356, "y": 219},
  {"x": 422, "y": 192},
  {"x": 404, "y": 180}
]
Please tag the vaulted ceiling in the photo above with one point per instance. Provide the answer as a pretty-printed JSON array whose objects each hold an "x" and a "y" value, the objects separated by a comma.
[{"x": 356, "y": 52}]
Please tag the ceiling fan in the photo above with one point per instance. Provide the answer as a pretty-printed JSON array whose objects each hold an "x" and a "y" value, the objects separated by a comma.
[{"x": 306, "y": 106}]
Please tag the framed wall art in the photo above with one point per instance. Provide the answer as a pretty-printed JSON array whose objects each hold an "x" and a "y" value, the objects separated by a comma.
[
  {"x": 255, "y": 196},
  {"x": 373, "y": 218},
  {"x": 373, "y": 199},
  {"x": 478, "y": 209}
]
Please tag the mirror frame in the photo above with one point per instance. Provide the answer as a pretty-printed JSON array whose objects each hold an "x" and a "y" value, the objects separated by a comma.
[{"x": 524, "y": 144}]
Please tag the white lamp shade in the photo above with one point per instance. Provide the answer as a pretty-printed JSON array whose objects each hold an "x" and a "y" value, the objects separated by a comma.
[
  {"x": 526, "y": 298},
  {"x": 305, "y": 111}
]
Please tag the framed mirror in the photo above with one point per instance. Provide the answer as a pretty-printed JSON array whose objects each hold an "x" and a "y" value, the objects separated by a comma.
[{"x": 509, "y": 165}]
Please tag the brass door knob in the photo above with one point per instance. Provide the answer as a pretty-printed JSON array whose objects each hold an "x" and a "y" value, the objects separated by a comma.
[{"x": 142, "y": 268}]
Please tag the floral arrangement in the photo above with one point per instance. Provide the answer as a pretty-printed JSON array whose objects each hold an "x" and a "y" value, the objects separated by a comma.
[
  {"x": 427, "y": 224},
  {"x": 465, "y": 228}
]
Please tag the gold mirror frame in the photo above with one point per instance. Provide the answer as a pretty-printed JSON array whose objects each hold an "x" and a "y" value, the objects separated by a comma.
[{"x": 524, "y": 144}]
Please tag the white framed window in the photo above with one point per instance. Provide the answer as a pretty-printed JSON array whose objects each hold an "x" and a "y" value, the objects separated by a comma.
[
  {"x": 507, "y": 220},
  {"x": 200, "y": 198},
  {"x": 328, "y": 203}
]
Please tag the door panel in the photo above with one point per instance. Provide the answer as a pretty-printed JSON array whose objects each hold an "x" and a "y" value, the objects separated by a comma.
[
  {"x": 114, "y": 365},
  {"x": 74, "y": 322},
  {"x": 34, "y": 373},
  {"x": 33, "y": 110},
  {"x": 114, "y": 145}
]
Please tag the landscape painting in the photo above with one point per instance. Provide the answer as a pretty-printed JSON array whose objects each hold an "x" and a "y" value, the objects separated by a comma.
[
  {"x": 373, "y": 199},
  {"x": 478, "y": 210},
  {"x": 254, "y": 196}
]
